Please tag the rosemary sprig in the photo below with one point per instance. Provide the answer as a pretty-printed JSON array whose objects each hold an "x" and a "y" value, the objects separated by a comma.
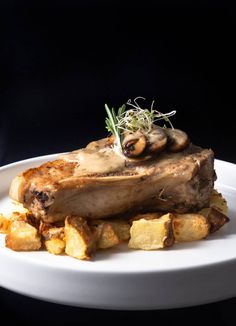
[{"x": 112, "y": 123}]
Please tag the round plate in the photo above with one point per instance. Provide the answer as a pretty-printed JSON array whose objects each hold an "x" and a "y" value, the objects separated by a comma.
[{"x": 119, "y": 278}]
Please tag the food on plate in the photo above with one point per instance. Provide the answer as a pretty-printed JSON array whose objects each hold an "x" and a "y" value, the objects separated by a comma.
[
  {"x": 178, "y": 182},
  {"x": 5, "y": 224},
  {"x": 142, "y": 167},
  {"x": 144, "y": 183},
  {"x": 23, "y": 237},
  {"x": 53, "y": 238},
  {"x": 81, "y": 237},
  {"x": 80, "y": 242},
  {"x": 110, "y": 232},
  {"x": 190, "y": 227},
  {"x": 106, "y": 236},
  {"x": 151, "y": 234}
]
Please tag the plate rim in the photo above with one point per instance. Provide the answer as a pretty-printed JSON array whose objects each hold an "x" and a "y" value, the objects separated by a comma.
[
  {"x": 77, "y": 273},
  {"x": 50, "y": 265}
]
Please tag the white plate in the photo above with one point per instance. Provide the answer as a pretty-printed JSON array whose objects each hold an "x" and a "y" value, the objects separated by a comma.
[{"x": 184, "y": 275}]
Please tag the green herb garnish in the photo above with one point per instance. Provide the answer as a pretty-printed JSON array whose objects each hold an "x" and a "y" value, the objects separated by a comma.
[
  {"x": 112, "y": 123},
  {"x": 135, "y": 119}
]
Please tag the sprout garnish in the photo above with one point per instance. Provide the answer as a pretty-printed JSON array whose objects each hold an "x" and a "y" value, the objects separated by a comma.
[{"x": 135, "y": 119}]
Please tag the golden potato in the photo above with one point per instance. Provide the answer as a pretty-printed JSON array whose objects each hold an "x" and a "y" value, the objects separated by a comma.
[
  {"x": 215, "y": 218},
  {"x": 110, "y": 232},
  {"x": 190, "y": 227},
  {"x": 5, "y": 224},
  {"x": 106, "y": 236},
  {"x": 55, "y": 246},
  {"x": 80, "y": 241},
  {"x": 122, "y": 229},
  {"x": 23, "y": 237},
  {"x": 151, "y": 234},
  {"x": 219, "y": 202},
  {"x": 54, "y": 238}
]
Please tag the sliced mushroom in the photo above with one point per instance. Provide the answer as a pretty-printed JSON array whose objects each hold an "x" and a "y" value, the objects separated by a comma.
[
  {"x": 134, "y": 144},
  {"x": 177, "y": 139},
  {"x": 157, "y": 140}
]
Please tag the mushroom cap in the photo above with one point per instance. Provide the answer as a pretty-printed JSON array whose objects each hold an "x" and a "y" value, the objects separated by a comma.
[
  {"x": 157, "y": 140},
  {"x": 134, "y": 144},
  {"x": 177, "y": 139}
]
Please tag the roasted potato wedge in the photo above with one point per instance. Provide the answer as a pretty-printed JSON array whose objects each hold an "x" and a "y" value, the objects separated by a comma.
[
  {"x": 218, "y": 202},
  {"x": 5, "y": 224},
  {"x": 185, "y": 227},
  {"x": 106, "y": 236},
  {"x": 6, "y": 221},
  {"x": 122, "y": 229},
  {"x": 216, "y": 214},
  {"x": 21, "y": 215},
  {"x": 151, "y": 234},
  {"x": 54, "y": 238},
  {"x": 80, "y": 241},
  {"x": 109, "y": 233},
  {"x": 55, "y": 246},
  {"x": 190, "y": 227},
  {"x": 215, "y": 218},
  {"x": 23, "y": 237}
]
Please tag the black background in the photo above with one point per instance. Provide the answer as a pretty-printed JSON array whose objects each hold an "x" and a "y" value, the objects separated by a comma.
[{"x": 61, "y": 61}]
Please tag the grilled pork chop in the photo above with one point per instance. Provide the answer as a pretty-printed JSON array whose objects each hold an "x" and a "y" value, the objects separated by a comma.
[{"x": 96, "y": 182}]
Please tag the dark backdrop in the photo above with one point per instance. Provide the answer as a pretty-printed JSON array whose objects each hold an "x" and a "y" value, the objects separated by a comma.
[{"x": 61, "y": 61}]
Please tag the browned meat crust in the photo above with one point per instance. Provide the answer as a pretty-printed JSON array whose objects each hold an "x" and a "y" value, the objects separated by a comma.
[{"x": 173, "y": 182}]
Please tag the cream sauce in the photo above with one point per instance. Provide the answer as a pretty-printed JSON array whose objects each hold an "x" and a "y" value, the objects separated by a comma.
[{"x": 90, "y": 161}]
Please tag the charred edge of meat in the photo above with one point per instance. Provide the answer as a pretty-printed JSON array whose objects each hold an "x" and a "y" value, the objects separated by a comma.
[
  {"x": 40, "y": 195},
  {"x": 43, "y": 198}
]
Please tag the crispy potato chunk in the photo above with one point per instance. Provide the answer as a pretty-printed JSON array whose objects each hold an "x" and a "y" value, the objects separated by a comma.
[
  {"x": 54, "y": 238},
  {"x": 215, "y": 218},
  {"x": 5, "y": 224},
  {"x": 55, "y": 246},
  {"x": 23, "y": 237},
  {"x": 106, "y": 236},
  {"x": 190, "y": 227},
  {"x": 151, "y": 234},
  {"x": 218, "y": 202},
  {"x": 18, "y": 216},
  {"x": 79, "y": 238},
  {"x": 6, "y": 221},
  {"x": 122, "y": 229},
  {"x": 21, "y": 215},
  {"x": 110, "y": 233},
  {"x": 216, "y": 214}
]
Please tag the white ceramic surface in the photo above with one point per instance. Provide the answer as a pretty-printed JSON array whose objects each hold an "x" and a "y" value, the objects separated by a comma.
[{"x": 184, "y": 275}]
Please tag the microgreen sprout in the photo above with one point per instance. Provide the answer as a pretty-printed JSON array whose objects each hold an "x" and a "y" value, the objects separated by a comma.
[{"x": 134, "y": 119}]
